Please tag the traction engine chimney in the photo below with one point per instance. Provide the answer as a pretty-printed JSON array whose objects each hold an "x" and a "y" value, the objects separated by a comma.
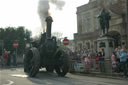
[{"x": 49, "y": 25}]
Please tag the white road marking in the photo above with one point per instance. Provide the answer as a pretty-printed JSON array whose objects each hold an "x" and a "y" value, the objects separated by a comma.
[
  {"x": 10, "y": 82},
  {"x": 19, "y": 75}
]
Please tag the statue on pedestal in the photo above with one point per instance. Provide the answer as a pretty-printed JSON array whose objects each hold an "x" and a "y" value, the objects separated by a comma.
[{"x": 104, "y": 19}]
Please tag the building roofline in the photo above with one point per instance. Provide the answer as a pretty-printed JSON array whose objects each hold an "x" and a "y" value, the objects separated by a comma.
[{"x": 87, "y": 6}]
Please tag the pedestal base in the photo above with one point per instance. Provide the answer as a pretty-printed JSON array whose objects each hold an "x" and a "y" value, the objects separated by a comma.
[{"x": 106, "y": 43}]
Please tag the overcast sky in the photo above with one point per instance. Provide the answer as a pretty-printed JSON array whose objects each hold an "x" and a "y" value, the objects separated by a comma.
[{"x": 24, "y": 13}]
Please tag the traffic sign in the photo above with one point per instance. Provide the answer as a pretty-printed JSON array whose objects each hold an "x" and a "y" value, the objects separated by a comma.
[
  {"x": 66, "y": 41},
  {"x": 15, "y": 44}
]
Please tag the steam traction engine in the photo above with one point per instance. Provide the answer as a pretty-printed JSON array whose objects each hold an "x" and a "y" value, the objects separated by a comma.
[{"x": 46, "y": 54}]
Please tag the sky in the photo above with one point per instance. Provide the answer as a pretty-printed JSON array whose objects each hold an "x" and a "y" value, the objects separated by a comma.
[{"x": 25, "y": 13}]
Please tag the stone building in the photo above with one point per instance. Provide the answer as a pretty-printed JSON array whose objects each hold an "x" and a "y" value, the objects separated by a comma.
[{"x": 88, "y": 27}]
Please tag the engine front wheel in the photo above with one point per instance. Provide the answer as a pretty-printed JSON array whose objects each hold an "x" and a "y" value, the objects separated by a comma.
[
  {"x": 33, "y": 62},
  {"x": 27, "y": 60},
  {"x": 49, "y": 68},
  {"x": 62, "y": 70},
  {"x": 62, "y": 65},
  {"x": 34, "y": 70}
]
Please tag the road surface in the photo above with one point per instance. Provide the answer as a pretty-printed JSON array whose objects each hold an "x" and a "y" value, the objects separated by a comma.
[{"x": 16, "y": 76}]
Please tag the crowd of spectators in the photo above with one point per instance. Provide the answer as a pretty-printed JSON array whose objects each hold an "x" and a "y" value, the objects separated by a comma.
[
  {"x": 7, "y": 58},
  {"x": 96, "y": 60},
  {"x": 120, "y": 60}
]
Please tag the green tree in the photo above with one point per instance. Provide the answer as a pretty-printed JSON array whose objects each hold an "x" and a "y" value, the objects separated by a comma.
[
  {"x": 58, "y": 35},
  {"x": 11, "y": 34}
]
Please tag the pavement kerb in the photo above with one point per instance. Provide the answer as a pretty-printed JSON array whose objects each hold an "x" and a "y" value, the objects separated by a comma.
[{"x": 102, "y": 75}]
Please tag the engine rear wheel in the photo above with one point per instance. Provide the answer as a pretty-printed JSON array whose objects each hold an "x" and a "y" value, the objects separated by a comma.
[{"x": 27, "y": 59}]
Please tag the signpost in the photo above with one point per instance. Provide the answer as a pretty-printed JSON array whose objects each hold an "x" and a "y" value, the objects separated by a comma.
[
  {"x": 66, "y": 41},
  {"x": 15, "y": 44}
]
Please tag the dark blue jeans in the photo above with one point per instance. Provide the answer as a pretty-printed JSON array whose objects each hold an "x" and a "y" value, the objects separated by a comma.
[
  {"x": 14, "y": 60},
  {"x": 124, "y": 67},
  {"x": 102, "y": 66}
]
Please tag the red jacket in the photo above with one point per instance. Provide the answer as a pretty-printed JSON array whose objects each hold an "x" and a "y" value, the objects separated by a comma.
[{"x": 5, "y": 55}]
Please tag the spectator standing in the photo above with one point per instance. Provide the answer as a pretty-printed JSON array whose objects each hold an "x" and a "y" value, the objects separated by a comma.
[
  {"x": 78, "y": 55},
  {"x": 117, "y": 52},
  {"x": 82, "y": 59},
  {"x": 113, "y": 59},
  {"x": 101, "y": 55},
  {"x": 97, "y": 61},
  {"x": 75, "y": 65},
  {"x": 87, "y": 64},
  {"x": 123, "y": 60},
  {"x": 9, "y": 59},
  {"x": 127, "y": 60},
  {"x": 14, "y": 58},
  {"x": 5, "y": 57}
]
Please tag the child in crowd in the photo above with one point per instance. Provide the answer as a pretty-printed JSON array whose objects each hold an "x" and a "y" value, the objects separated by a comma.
[
  {"x": 113, "y": 58},
  {"x": 97, "y": 61},
  {"x": 87, "y": 64}
]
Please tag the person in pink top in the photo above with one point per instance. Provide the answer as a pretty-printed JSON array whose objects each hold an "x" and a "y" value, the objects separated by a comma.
[
  {"x": 113, "y": 58},
  {"x": 87, "y": 64},
  {"x": 82, "y": 59},
  {"x": 97, "y": 61}
]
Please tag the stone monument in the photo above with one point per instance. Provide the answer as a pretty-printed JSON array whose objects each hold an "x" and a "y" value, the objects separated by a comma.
[
  {"x": 105, "y": 42},
  {"x": 104, "y": 19}
]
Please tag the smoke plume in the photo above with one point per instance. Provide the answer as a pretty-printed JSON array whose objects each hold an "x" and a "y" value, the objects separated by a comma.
[
  {"x": 44, "y": 6},
  {"x": 59, "y": 3}
]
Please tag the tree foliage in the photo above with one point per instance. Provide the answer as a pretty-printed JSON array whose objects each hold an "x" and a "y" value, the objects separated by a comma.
[
  {"x": 58, "y": 35},
  {"x": 11, "y": 34}
]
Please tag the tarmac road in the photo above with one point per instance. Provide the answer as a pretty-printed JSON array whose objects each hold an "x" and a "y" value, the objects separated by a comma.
[{"x": 16, "y": 76}]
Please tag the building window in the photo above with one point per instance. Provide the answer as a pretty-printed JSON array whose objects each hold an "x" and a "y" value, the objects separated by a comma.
[
  {"x": 95, "y": 45},
  {"x": 97, "y": 25},
  {"x": 79, "y": 24},
  {"x": 80, "y": 45},
  {"x": 86, "y": 23},
  {"x": 96, "y": 19},
  {"x": 88, "y": 45},
  {"x": 102, "y": 44}
]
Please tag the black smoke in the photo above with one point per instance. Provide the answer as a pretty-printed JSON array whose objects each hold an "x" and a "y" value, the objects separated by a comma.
[{"x": 44, "y": 6}]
